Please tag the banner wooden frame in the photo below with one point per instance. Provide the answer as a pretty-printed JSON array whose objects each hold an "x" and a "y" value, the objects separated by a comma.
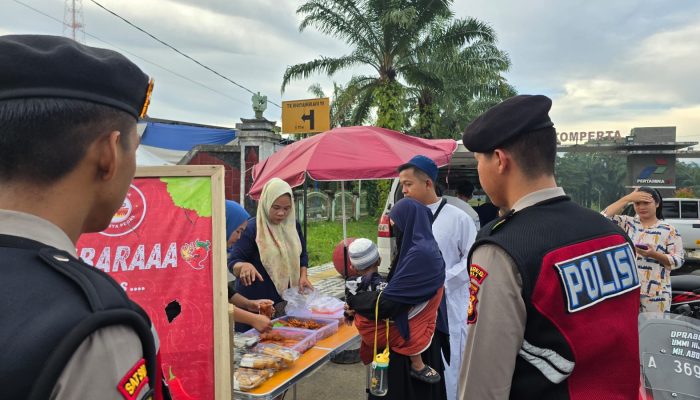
[{"x": 222, "y": 353}]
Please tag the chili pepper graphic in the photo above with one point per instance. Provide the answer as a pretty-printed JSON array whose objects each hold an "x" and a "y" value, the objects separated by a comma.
[{"x": 177, "y": 390}]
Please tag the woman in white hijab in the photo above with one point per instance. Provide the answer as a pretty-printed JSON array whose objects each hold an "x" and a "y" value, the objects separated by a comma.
[{"x": 271, "y": 254}]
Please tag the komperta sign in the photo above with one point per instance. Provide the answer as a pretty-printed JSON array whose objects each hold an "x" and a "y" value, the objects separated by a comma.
[{"x": 577, "y": 137}]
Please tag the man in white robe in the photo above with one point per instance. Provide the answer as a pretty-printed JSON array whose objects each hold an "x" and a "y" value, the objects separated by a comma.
[{"x": 454, "y": 232}]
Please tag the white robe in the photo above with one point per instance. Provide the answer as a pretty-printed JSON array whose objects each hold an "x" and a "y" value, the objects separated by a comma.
[
  {"x": 466, "y": 207},
  {"x": 455, "y": 232}
]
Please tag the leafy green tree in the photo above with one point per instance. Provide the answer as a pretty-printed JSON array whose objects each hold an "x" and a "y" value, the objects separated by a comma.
[
  {"x": 593, "y": 180},
  {"x": 688, "y": 176},
  {"x": 457, "y": 82},
  {"x": 383, "y": 35},
  {"x": 341, "y": 104}
]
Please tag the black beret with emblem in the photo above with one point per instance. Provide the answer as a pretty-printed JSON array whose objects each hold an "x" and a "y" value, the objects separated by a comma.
[
  {"x": 506, "y": 120},
  {"x": 33, "y": 66}
]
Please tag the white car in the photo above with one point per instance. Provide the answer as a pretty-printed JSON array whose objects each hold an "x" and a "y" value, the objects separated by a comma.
[{"x": 684, "y": 215}]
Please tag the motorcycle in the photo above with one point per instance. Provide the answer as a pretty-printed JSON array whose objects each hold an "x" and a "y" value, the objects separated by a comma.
[
  {"x": 669, "y": 345},
  {"x": 669, "y": 353},
  {"x": 685, "y": 295}
]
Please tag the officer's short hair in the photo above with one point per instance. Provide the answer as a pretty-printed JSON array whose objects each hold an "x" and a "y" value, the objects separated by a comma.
[
  {"x": 521, "y": 125},
  {"x": 535, "y": 152},
  {"x": 44, "y": 139}
]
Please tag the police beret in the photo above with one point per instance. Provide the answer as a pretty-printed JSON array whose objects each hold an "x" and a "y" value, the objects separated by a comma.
[
  {"x": 54, "y": 66},
  {"x": 506, "y": 120}
]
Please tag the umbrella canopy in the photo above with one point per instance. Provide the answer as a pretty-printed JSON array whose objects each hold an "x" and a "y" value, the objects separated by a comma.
[{"x": 348, "y": 153}]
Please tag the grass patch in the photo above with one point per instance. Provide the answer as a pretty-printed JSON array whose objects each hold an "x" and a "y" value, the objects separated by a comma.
[{"x": 323, "y": 237}]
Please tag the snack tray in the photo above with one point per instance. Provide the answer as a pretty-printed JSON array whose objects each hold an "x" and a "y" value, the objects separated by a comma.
[
  {"x": 328, "y": 326},
  {"x": 306, "y": 338}
]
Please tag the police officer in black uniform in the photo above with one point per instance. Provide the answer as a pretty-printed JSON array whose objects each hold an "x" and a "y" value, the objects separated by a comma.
[
  {"x": 554, "y": 291},
  {"x": 68, "y": 140}
]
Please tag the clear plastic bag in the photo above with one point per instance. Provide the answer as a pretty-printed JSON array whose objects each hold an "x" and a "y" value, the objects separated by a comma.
[
  {"x": 326, "y": 305},
  {"x": 248, "y": 379},
  {"x": 298, "y": 302},
  {"x": 288, "y": 356},
  {"x": 312, "y": 302},
  {"x": 245, "y": 341}
]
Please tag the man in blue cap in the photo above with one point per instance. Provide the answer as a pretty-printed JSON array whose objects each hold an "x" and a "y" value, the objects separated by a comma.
[
  {"x": 554, "y": 286},
  {"x": 454, "y": 232}
]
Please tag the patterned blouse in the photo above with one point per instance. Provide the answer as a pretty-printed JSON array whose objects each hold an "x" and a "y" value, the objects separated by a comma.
[{"x": 654, "y": 278}]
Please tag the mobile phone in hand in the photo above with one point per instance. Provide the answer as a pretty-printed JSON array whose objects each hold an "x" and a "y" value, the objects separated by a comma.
[{"x": 641, "y": 246}]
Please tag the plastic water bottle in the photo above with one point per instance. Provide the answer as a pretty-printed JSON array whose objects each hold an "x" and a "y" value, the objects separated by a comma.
[{"x": 379, "y": 375}]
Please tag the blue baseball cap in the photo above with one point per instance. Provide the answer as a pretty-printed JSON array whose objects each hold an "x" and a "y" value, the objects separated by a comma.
[{"x": 424, "y": 164}]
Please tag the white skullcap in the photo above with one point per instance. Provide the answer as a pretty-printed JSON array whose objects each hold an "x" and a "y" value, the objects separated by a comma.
[{"x": 363, "y": 253}]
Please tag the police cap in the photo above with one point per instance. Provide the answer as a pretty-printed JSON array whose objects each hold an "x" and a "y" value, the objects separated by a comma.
[
  {"x": 506, "y": 120},
  {"x": 34, "y": 66}
]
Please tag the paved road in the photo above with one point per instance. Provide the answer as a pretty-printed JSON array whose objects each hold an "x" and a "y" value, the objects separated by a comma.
[{"x": 334, "y": 381}]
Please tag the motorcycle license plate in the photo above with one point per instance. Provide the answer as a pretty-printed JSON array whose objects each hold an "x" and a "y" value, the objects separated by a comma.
[{"x": 672, "y": 373}]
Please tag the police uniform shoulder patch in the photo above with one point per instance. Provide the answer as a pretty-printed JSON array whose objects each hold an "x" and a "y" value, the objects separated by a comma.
[
  {"x": 594, "y": 277},
  {"x": 134, "y": 381},
  {"x": 477, "y": 275}
]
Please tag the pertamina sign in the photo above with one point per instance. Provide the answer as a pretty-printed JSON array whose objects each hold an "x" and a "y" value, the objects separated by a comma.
[
  {"x": 581, "y": 137},
  {"x": 306, "y": 116}
]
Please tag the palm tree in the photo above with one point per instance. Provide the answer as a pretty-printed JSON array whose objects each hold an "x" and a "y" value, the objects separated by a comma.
[
  {"x": 384, "y": 35},
  {"x": 341, "y": 103},
  {"x": 459, "y": 82}
]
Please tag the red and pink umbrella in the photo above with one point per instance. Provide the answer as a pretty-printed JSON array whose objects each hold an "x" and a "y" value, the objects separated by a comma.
[{"x": 348, "y": 153}]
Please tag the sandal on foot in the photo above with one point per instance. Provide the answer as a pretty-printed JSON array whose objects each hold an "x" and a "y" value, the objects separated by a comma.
[{"x": 427, "y": 375}]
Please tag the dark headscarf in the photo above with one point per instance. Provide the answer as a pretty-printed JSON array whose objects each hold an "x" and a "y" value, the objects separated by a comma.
[
  {"x": 235, "y": 216},
  {"x": 419, "y": 270},
  {"x": 657, "y": 199}
]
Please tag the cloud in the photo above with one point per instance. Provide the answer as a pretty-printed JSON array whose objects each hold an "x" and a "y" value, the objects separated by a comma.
[
  {"x": 685, "y": 119},
  {"x": 607, "y": 66},
  {"x": 654, "y": 83}
]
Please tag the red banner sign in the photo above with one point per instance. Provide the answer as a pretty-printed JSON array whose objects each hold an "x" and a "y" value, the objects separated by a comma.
[{"x": 159, "y": 249}]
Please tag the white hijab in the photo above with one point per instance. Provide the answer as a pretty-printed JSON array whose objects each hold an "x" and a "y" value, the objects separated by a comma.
[{"x": 279, "y": 245}]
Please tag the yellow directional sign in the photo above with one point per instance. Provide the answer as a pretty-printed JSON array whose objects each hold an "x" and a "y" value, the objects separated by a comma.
[{"x": 306, "y": 116}]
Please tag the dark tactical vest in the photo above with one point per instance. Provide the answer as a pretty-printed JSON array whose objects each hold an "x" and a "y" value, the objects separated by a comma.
[
  {"x": 581, "y": 292},
  {"x": 49, "y": 303}
]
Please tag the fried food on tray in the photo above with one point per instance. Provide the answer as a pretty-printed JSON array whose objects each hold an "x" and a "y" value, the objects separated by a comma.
[{"x": 302, "y": 323}]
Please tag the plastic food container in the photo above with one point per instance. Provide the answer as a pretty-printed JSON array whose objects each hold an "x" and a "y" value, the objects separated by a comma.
[
  {"x": 246, "y": 379},
  {"x": 323, "y": 327},
  {"x": 298, "y": 340},
  {"x": 338, "y": 315},
  {"x": 287, "y": 355},
  {"x": 326, "y": 305}
]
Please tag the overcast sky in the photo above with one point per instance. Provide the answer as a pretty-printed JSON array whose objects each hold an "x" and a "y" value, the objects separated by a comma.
[{"x": 608, "y": 65}]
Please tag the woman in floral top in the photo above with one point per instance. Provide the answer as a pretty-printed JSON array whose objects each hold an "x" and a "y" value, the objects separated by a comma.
[{"x": 658, "y": 245}]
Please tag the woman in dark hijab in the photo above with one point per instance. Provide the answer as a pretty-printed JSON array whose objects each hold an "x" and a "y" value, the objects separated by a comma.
[{"x": 413, "y": 301}]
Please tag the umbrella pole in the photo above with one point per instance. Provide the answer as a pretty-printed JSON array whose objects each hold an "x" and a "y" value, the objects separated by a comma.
[
  {"x": 305, "y": 188},
  {"x": 345, "y": 237},
  {"x": 342, "y": 204}
]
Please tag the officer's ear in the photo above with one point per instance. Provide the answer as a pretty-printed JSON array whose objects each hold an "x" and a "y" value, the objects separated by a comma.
[
  {"x": 503, "y": 160},
  {"x": 107, "y": 152}
]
